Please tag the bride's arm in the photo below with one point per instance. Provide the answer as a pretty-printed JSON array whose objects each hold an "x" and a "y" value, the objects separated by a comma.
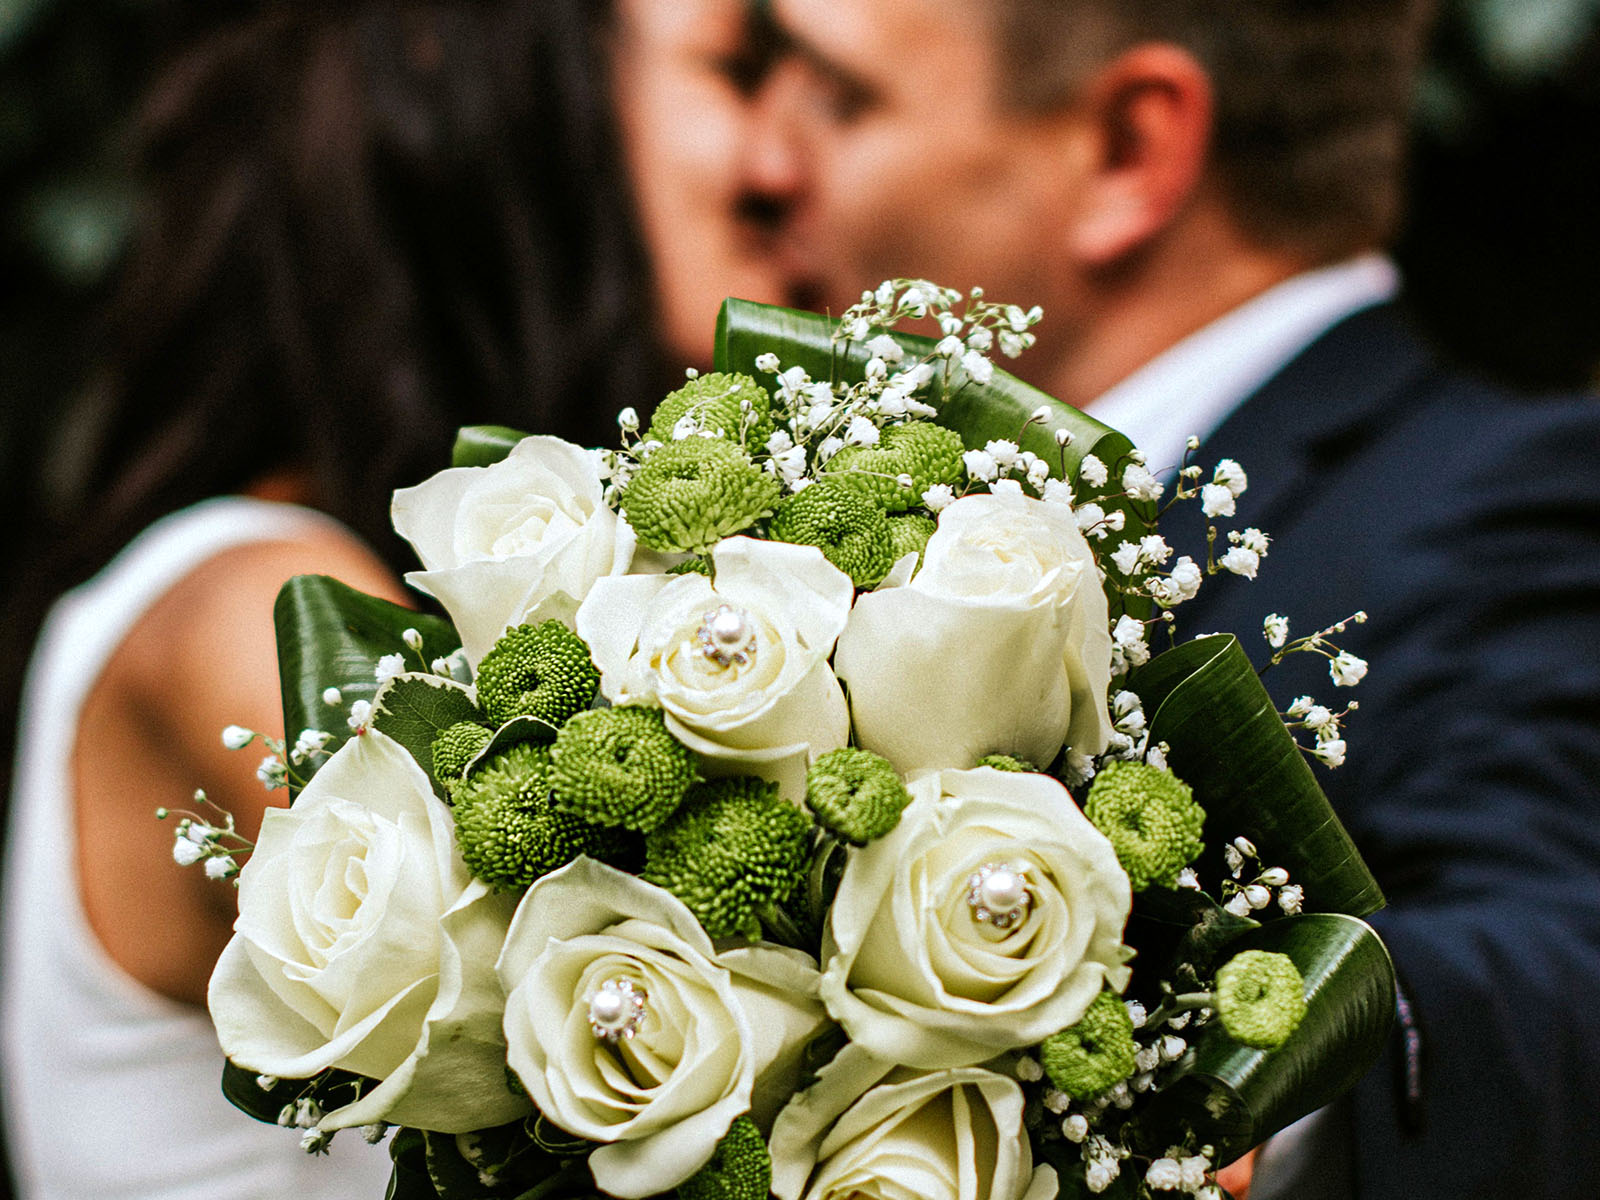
[{"x": 202, "y": 658}]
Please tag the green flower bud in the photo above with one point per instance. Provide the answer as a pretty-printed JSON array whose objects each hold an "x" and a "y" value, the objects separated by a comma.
[
  {"x": 1260, "y": 998},
  {"x": 1151, "y": 819},
  {"x": 508, "y": 830},
  {"x": 539, "y": 671},
  {"x": 851, "y": 531},
  {"x": 1004, "y": 762},
  {"x": 689, "y": 495},
  {"x": 733, "y": 848},
  {"x": 1095, "y": 1054},
  {"x": 856, "y": 794},
  {"x": 909, "y": 534},
  {"x": 740, "y": 1168},
  {"x": 715, "y": 402},
  {"x": 927, "y": 452},
  {"x": 455, "y": 747},
  {"x": 620, "y": 766}
]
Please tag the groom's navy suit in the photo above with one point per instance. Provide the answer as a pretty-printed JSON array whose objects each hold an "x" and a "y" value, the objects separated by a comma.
[{"x": 1467, "y": 523}]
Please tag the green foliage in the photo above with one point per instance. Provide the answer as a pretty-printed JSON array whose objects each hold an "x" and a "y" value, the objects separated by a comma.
[
  {"x": 1151, "y": 819},
  {"x": 620, "y": 766},
  {"x": 541, "y": 671},
  {"x": 1260, "y": 998},
  {"x": 856, "y": 795},
  {"x": 330, "y": 635},
  {"x": 1205, "y": 694},
  {"x": 927, "y": 452},
  {"x": 1096, "y": 1053},
  {"x": 733, "y": 849},
  {"x": 691, "y": 494},
  {"x": 740, "y": 1168},
  {"x": 416, "y": 709},
  {"x": 511, "y": 833},
  {"x": 714, "y": 402},
  {"x": 849, "y": 528}
]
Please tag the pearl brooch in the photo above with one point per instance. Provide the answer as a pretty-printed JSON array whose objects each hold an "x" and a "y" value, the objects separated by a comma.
[
  {"x": 998, "y": 894},
  {"x": 726, "y": 636},
  {"x": 616, "y": 1010}
]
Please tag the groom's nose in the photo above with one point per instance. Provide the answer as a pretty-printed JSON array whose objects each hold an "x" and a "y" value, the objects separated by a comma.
[{"x": 775, "y": 166}]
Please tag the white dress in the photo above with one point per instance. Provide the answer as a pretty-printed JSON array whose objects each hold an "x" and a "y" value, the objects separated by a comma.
[{"x": 112, "y": 1091}]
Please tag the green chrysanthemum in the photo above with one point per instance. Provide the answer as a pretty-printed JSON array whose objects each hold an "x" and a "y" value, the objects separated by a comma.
[
  {"x": 1151, "y": 819},
  {"x": 689, "y": 495},
  {"x": 856, "y": 794},
  {"x": 1095, "y": 1054},
  {"x": 509, "y": 831},
  {"x": 698, "y": 565},
  {"x": 927, "y": 452},
  {"x": 1004, "y": 762},
  {"x": 909, "y": 534},
  {"x": 620, "y": 766},
  {"x": 457, "y": 746},
  {"x": 715, "y": 402},
  {"x": 740, "y": 1168},
  {"x": 733, "y": 848},
  {"x": 539, "y": 671},
  {"x": 851, "y": 531},
  {"x": 1260, "y": 998}
]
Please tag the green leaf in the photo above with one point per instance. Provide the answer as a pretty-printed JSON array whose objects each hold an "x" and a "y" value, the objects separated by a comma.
[
  {"x": 513, "y": 733},
  {"x": 331, "y": 1089},
  {"x": 330, "y": 635},
  {"x": 980, "y": 413},
  {"x": 409, "y": 1180},
  {"x": 415, "y": 708},
  {"x": 483, "y": 445},
  {"x": 1225, "y": 740},
  {"x": 1234, "y": 1097}
]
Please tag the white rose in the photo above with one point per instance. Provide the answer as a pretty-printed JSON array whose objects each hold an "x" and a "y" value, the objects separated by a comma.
[
  {"x": 719, "y": 1034},
  {"x": 999, "y": 644},
  {"x": 869, "y": 1130},
  {"x": 521, "y": 540},
  {"x": 364, "y": 943},
  {"x": 912, "y": 972},
  {"x": 767, "y": 710}
]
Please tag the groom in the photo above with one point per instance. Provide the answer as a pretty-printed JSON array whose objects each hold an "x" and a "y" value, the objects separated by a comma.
[{"x": 1198, "y": 193}]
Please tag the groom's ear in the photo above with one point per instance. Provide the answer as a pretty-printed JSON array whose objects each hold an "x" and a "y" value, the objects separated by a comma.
[{"x": 1143, "y": 133}]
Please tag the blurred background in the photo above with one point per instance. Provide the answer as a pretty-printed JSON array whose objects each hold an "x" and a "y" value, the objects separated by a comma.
[{"x": 1502, "y": 248}]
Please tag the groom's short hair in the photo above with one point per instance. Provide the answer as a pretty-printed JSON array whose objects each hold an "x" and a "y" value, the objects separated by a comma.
[{"x": 1312, "y": 98}]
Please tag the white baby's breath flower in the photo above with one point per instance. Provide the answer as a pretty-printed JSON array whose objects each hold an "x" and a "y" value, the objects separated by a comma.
[
  {"x": 1216, "y": 501},
  {"x": 1252, "y": 539},
  {"x": 1004, "y": 452},
  {"x": 938, "y": 497},
  {"x": 1192, "y": 1172},
  {"x": 829, "y": 447},
  {"x": 861, "y": 432},
  {"x": 1238, "y": 905},
  {"x": 1330, "y": 753},
  {"x": 686, "y": 426},
  {"x": 949, "y": 323},
  {"x": 1128, "y": 636},
  {"x": 272, "y": 773},
  {"x": 981, "y": 465},
  {"x": 977, "y": 366},
  {"x": 333, "y": 697},
  {"x": 220, "y": 866},
  {"x": 237, "y": 737},
  {"x": 1275, "y": 629},
  {"x": 1187, "y": 576},
  {"x": 1291, "y": 898},
  {"x": 1140, "y": 483},
  {"x": 360, "y": 716},
  {"x": 1164, "y": 1175},
  {"x": 186, "y": 853},
  {"x": 1092, "y": 471},
  {"x": 981, "y": 339},
  {"x": 1230, "y": 475},
  {"x": 1126, "y": 557},
  {"x": 767, "y": 362},
  {"x": 885, "y": 347},
  {"x": 1012, "y": 344},
  {"x": 388, "y": 667},
  {"x": 1241, "y": 562},
  {"x": 1092, "y": 520},
  {"x": 1075, "y": 1128},
  {"x": 1007, "y": 487},
  {"x": 1346, "y": 669},
  {"x": 949, "y": 347},
  {"x": 1153, "y": 547},
  {"x": 1057, "y": 491}
]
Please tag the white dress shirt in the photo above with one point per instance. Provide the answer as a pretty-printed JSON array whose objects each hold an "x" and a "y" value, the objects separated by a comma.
[{"x": 1195, "y": 386}]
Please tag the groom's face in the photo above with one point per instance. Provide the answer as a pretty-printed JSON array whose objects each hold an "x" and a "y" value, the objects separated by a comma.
[{"x": 886, "y": 134}]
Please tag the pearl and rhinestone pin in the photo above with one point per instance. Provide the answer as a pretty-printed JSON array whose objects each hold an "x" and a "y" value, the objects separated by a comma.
[
  {"x": 726, "y": 637},
  {"x": 998, "y": 894},
  {"x": 616, "y": 1010}
]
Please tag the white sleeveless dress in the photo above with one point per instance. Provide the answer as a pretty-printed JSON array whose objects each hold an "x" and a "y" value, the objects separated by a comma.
[{"x": 112, "y": 1091}]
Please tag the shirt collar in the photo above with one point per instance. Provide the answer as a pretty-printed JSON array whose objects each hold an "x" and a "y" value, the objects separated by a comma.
[{"x": 1193, "y": 387}]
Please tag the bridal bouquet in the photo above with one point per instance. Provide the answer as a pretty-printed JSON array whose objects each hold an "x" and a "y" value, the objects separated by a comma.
[{"x": 794, "y": 802}]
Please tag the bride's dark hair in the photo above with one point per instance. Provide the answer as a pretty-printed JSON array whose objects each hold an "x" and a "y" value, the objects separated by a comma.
[{"x": 368, "y": 222}]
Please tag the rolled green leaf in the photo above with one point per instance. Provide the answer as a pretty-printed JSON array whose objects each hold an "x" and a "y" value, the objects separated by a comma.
[
  {"x": 1225, "y": 740},
  {"x": 483, "y": 445},
  {"x": 331, "y": 635},
  {"x": 1234, "y": 1097}
]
